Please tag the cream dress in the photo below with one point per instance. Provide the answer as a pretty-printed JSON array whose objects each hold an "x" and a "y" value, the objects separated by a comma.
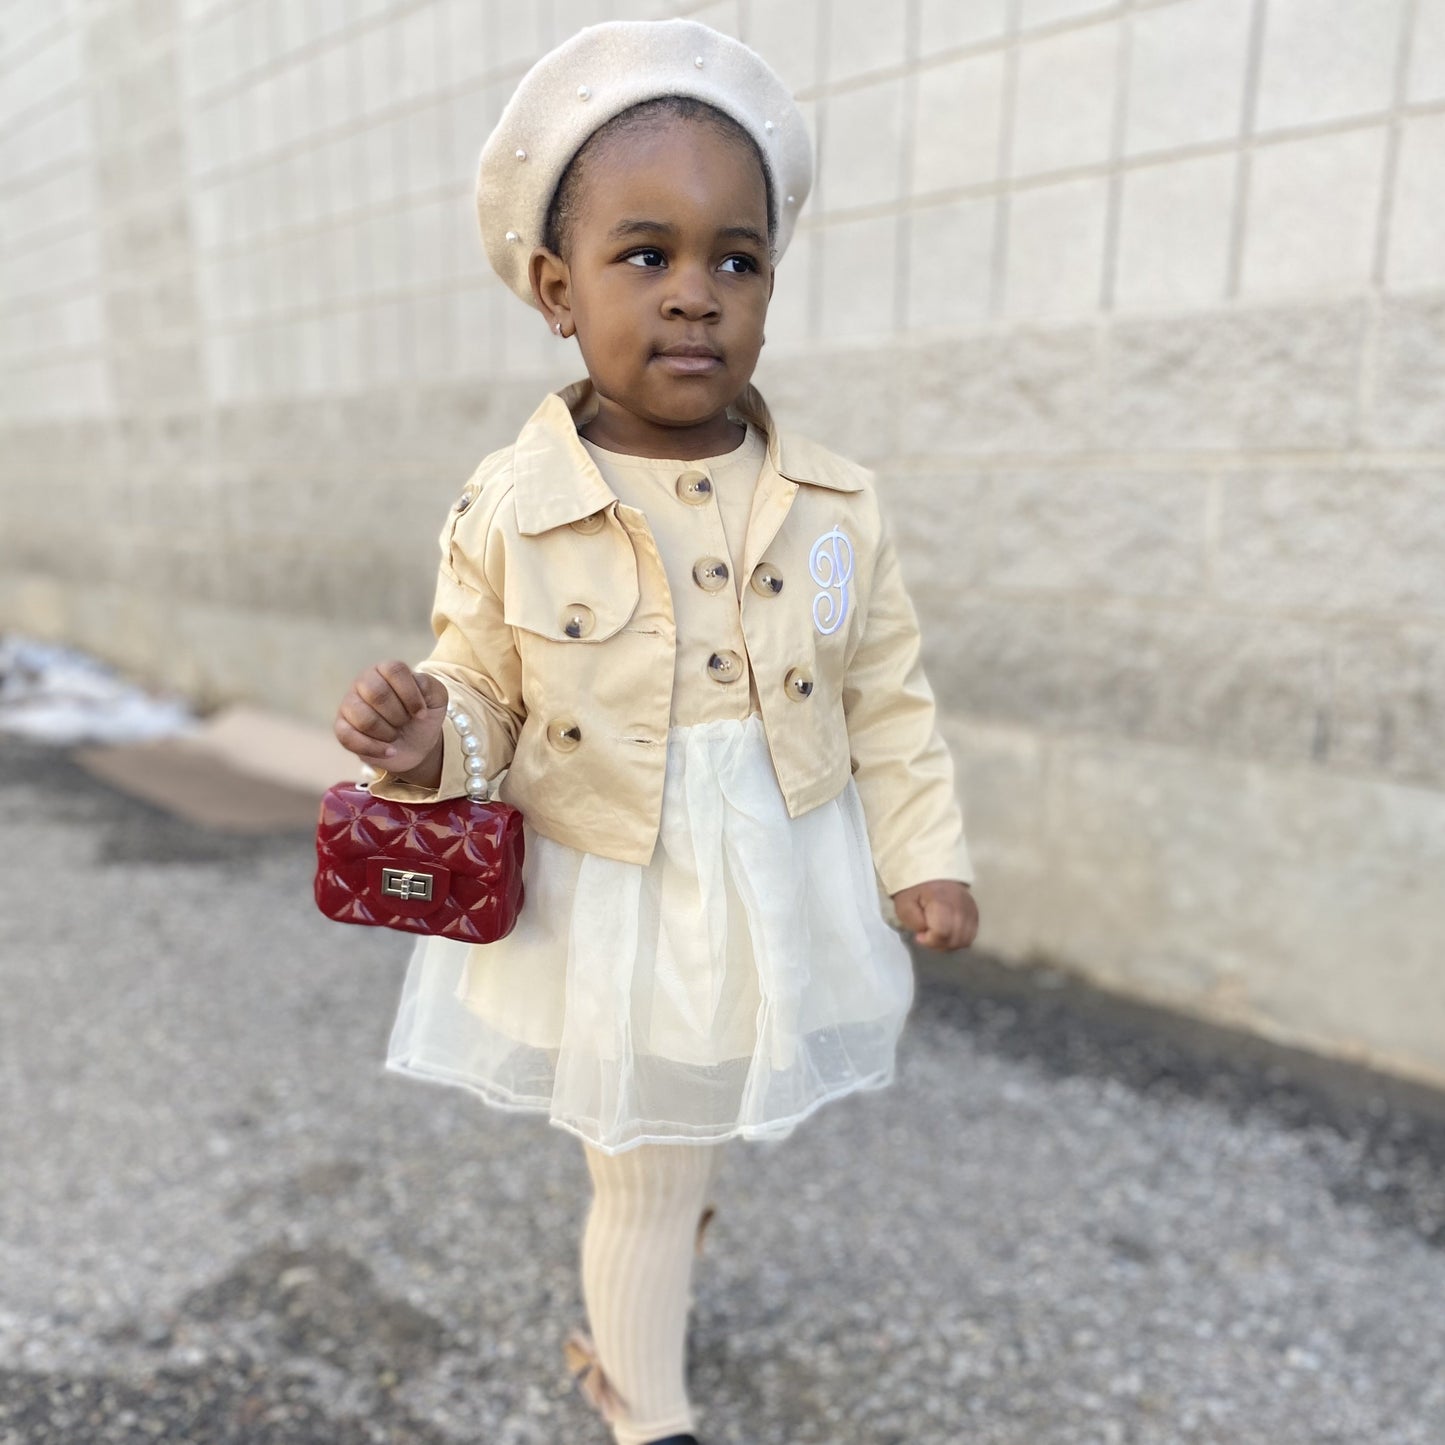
[{"x": 743, "y": 977}]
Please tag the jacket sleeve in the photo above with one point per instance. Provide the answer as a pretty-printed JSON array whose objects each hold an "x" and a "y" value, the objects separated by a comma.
[
  {"x": 475, "y": 655},
  {"x": 901, "y": 765}
]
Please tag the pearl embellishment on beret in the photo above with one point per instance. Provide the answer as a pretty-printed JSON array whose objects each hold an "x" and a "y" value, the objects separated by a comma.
[{"x": 630, "y": 62}]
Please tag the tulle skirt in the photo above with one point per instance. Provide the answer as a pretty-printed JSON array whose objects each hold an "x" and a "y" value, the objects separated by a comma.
[{"x": 741, "y": 979}]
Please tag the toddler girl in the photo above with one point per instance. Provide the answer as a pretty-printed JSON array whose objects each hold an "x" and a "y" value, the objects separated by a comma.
[{"x": 683, "y": 635}]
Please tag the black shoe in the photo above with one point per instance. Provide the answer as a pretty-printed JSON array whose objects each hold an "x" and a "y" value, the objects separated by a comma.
[{"x": 677, "y": 1440}]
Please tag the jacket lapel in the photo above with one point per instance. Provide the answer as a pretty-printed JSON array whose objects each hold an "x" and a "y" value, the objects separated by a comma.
[
  {"x": 557, "y": 482},
  {"x": 554, "y": 479},
  {"x": 789, "y": 463}
]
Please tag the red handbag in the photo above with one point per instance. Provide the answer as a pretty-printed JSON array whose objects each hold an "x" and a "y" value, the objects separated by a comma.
[{"x": 453, "y": 868}]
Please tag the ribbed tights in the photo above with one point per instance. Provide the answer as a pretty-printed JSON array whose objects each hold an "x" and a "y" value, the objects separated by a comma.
[{"x": 637, "y": 1254}]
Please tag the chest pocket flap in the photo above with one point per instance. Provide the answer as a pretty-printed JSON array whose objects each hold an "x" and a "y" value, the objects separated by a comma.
[{"x": 570, "y": 584}]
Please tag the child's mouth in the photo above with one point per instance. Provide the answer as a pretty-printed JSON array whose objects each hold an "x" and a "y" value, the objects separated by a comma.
[{"x": 689, "y": 362}]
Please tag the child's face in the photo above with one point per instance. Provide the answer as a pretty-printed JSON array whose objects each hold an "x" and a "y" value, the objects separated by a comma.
[{"x": 668, "y": 254}]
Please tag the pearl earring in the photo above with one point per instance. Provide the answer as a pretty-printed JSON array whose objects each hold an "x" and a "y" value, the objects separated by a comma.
[{"x": 557, "y": 327}]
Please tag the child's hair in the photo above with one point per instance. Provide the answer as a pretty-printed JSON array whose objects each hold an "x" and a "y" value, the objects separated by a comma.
[{"x": 562, "y": 209}]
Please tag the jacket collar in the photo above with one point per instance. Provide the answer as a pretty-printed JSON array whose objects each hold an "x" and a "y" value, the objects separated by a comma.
[{"x": 556, "y": 481}]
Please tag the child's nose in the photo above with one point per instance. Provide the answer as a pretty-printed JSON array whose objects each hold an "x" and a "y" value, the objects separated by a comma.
[{"x": 692, "y": 293}]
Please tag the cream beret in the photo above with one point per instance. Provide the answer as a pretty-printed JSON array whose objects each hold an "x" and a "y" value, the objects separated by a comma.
[{"x": 602, "y": 70}]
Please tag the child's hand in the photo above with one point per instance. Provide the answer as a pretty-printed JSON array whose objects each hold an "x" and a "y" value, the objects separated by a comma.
[
  {"x": 392, "y": 717},
  {"x": 942, "y": 913}
]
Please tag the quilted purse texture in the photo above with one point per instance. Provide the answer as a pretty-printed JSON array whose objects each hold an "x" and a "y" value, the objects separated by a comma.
[{"x": 453, "y": 868}]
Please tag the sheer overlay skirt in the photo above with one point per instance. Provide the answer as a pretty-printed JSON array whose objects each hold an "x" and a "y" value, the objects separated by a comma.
[{"x": 727, "y": 989}]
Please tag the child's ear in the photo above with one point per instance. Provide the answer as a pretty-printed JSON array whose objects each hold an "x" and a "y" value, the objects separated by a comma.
[{"x": 552, "y": 287}]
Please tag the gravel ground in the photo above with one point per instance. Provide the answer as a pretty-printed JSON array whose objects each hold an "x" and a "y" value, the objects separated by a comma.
[{"x": 1070, "y": 1220}]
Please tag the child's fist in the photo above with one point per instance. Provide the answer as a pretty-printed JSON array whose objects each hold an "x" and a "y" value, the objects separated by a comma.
[
  {"x": 392, "y": 717},
  {"x": 942, "y": 914}
]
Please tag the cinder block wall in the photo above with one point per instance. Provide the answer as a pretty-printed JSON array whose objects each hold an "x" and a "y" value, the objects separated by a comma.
[{"x": 1138, "y": 309}]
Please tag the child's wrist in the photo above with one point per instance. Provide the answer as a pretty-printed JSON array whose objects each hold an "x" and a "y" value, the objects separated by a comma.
[{"x": 428, "y": 772}]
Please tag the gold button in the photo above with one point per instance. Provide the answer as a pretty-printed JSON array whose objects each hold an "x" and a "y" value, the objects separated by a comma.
[
  {"x": 564, "y": 734},
  {"x": 798, "y": 684},
  {"x": 711, "y": 574},
  {"x": 725, "y": 666},
  {"x": 695, "y": 488},
  {"x": 588, "y": 525},
  {"x": 767, "y": 580},
  {"x": 577, "y": 620}
]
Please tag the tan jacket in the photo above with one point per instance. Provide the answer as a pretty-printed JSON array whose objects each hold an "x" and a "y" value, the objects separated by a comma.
[{"x": 556, "y": 633}]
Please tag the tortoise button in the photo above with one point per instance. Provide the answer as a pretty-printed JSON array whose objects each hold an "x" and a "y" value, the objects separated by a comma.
[
  {"x": 711, "y": 574},
  {"x": 564, "y": 734},
  {"x": 725, "y": 666},
  {"x": 798, "y": 684},
  {"x": 695, "y": 488},
  {"x": 767, "y": 580},
  {"x": 577, "y": 620}
]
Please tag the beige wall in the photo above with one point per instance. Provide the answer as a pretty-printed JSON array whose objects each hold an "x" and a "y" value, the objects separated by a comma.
[{"x": 1139, "y": 310}]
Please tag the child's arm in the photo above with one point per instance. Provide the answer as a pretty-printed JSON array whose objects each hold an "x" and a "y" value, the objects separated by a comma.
[
  {"x": 474, "y": 664},
  {"x": 902, "y": 769}
]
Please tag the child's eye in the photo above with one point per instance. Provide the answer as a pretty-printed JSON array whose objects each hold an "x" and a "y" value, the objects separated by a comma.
[
  {"x": 639, "y": 258},
  {"x": 746, "y": 264}
]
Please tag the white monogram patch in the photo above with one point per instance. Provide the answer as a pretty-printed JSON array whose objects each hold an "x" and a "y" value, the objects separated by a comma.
[{"x": 830, "y": 564}]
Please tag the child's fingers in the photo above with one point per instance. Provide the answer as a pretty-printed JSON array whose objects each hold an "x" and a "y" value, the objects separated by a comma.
[
  {"x": 950, "y": 922},
  {"x": 909, "y": 910},
  {"x": 356, "y": 741},
  {"x": 365, "y": 719},
  {"x": 376, "y": 688},
  {"x": 403, "y": 684},
  {"x": 937, "y": 917},
  {"x": 433, "y": 689}
]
